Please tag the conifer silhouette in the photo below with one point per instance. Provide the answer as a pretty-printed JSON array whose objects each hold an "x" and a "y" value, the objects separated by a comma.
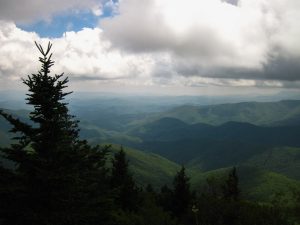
[
  {"x": 181, "y": 194},
  {"x": 122, "y": 181},
  {"x": 58, "y": 178}
]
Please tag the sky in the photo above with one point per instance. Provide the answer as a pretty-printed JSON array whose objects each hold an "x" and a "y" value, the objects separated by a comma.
[{"x": 178, "y": 47}]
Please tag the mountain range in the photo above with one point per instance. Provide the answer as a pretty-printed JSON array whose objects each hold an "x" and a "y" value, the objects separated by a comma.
[{"x": 260, "y": 138}]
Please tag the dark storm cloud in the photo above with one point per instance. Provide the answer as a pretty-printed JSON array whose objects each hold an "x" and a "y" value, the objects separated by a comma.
[
  {"x": 279, "y": 68},
  {"x": 283, "y": 68}
]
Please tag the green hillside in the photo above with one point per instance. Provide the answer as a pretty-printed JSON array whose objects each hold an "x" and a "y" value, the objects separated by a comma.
[
  {"x": 255, "y": 184},
  {"x": 179, "y": 136},
  {"x": 170, "y": 129},
  {"x": 283, "y": 160},
  {"x": 204, "y": 154},
  {"x": 258, "y": 113},
  {"x": 149, "y": 168},
  {"x": 210, "y": 147}
]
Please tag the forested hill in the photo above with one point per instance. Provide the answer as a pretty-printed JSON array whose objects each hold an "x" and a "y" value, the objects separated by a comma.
[
  {"x": 178, "y": 135},
  {"x": 170, "y": 129},
  {"x": 286, "y": 112}
]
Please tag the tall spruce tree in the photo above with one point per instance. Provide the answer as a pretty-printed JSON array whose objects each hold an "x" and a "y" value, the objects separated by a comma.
[
  {"x": 231, "y": 189},
  {"x": 126, "y": 191},
  {"x": 58, "y": 178},
  {"x": 231, "y": 192},
  {"x": 181, "y": 198}
]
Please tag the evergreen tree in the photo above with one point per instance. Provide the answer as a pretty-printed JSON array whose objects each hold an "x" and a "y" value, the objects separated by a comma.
[
  {"x": 181, "y": 197},
  {"x": 149, "y": 188},
  {"x": 119, "y": 168},
  {"x": 57, "y": 179},
  {"x": 231, "y": 205},
  {"x": 231, "y": 189},
  {"x": 122, "y": 182},
  {"x": 165, "y": 198}
]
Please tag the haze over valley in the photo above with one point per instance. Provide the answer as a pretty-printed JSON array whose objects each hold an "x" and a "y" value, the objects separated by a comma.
[{"x": 150, "y": 112}]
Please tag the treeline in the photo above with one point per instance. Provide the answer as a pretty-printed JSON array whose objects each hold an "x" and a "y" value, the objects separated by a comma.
[
  {"x": 51, "y": 177},
  {"x": 217, "y": 205}
]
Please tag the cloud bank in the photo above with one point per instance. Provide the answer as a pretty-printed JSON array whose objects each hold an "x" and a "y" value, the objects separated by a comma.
[
  {"x": 245, "y": 43},
  {"x": 255, "y": 39}
]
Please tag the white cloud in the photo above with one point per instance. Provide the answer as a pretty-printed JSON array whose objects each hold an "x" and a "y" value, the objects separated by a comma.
[
  {"x": 163, "y": 43},
  {"x": 97, "y": 10},
  {"x": 86, "y": 55},
  {"x": 16, "y": 50},
  {"x": 83, "y": 55},
  {"x": 212, "y": 37}
]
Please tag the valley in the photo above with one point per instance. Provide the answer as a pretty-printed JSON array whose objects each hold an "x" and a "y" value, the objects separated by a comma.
[{"x": 260, "y": 138}]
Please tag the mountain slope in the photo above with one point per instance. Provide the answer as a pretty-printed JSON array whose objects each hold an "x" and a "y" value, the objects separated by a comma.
[
  {"x": 283, "y": 160},
  {"x": 210, "y": 147},
  {"x": 285, "y": 112},
  {"x": 170, "y": 129},
  {"x": 255, "y": 184},
  {"x": 149, "y": 168}
]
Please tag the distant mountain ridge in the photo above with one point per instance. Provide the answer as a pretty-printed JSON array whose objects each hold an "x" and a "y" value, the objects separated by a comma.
[
  {"x": 282, "y": 113},
  {"x": 209, "y": 147},
  {"x": 171, "y": 129},
  {"x": 261, "y": 139}
]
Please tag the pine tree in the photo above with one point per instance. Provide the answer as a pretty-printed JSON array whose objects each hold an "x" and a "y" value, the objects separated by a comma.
[
  {"x": 231, "y": 189},
  {"x": 122, "y": 182},
  {"x": 165, "y": 198},
  {"x": 57, "y": 179},
  {"x": 119, "y": 168},
  {"x": 231, "y": 205},
  {"x": 181, "y": 194}
]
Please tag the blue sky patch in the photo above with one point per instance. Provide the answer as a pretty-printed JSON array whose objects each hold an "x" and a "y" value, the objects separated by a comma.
[
  {"x": 65, "y": 22},
  {"x": 62, "y": 23}
]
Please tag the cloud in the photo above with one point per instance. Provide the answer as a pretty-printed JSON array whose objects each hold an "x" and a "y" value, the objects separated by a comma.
[
  {"x": 83, "y": 55},
  {"x": 32, "y": 10},
  {"x": 86, "y": 56},
  {"x": 16, "y": 50},
  {"x": 233, "y": 2},
  {"x": 163, "y": 43},
  {"x": 244, "y": 39}
]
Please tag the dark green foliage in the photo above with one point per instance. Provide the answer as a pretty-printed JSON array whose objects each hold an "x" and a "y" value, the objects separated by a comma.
[
  {"x": 231, "y": 188},
  {"x": 119, "y": 169},
  {"x": 216, "y": 211},
  {"x": 148, "y": 213},
  {"x": 296, "y": 209},
  {"x": 147, "y": 167},
  {"x": 165, "y": 198},
  {"x": 211, "y": 147},
  {"x": 149, "y": 188},
  {"x": 177, "y": 200},
  {"x": 123, "y": 184},
  {"x": 181, "y": 198},
  {"x": 57, "y": 179},
  {"x": 153, "y": 214}
]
